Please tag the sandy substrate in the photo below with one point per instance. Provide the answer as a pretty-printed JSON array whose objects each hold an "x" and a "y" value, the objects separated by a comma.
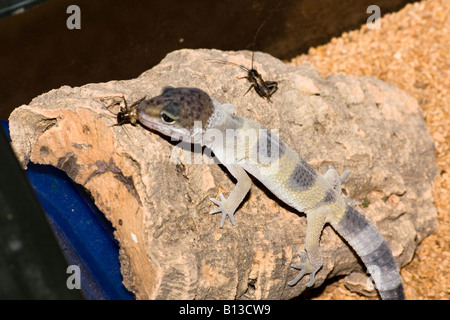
[{"x": 411, "y": 50}]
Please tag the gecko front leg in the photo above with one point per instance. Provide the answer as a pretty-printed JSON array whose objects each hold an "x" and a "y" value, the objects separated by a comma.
[{"x": 228, "y": 206}]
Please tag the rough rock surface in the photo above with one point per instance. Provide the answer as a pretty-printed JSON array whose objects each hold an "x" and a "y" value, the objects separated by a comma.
[{"x": 158, "y": 202}]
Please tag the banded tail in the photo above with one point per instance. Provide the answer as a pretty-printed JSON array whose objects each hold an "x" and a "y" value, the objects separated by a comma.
[{"x": 374, "y": 251}]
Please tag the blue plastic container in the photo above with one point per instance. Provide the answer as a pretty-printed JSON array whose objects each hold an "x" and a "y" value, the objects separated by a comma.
[{"x": 83, "y": 233}]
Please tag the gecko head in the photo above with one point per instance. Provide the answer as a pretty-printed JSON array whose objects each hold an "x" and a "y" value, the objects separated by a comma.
[{"x": 180, "y": 113}]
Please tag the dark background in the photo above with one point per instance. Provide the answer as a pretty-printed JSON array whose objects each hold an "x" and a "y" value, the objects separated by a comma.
[{"x": 121, "y": 39}]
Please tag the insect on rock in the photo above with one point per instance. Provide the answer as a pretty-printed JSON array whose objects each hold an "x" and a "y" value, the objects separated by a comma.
[
  {"x": 129, "y": 114},
  {"x": 265, "y": 89}
]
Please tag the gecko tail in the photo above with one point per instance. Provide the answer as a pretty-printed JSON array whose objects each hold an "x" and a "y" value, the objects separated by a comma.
[{"x": 374, "y": 251}]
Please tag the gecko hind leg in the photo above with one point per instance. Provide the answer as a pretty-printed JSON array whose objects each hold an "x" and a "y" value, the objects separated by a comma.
[
  {"x": 311, "y": 259},
  {"x": 341, "y": 180},
  {"x": 333, "y": 178}
]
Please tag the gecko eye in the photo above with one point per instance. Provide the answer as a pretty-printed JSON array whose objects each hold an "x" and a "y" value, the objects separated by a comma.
[
  {"x": 167, "y": 119},
  {"x": 170, "y": 113}
]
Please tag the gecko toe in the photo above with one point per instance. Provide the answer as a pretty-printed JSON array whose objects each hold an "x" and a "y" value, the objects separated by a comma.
[
  {"x": 216, "y": 210},
  {"x": 233, "y": 221},
  {"x": 311, "y": 279},
  {"x": 294, "y": 281}
]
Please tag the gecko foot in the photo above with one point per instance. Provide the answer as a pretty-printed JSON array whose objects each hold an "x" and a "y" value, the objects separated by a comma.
[
  {"x": 305, "y": 267},
  {"x": 222, "y": 208}
]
